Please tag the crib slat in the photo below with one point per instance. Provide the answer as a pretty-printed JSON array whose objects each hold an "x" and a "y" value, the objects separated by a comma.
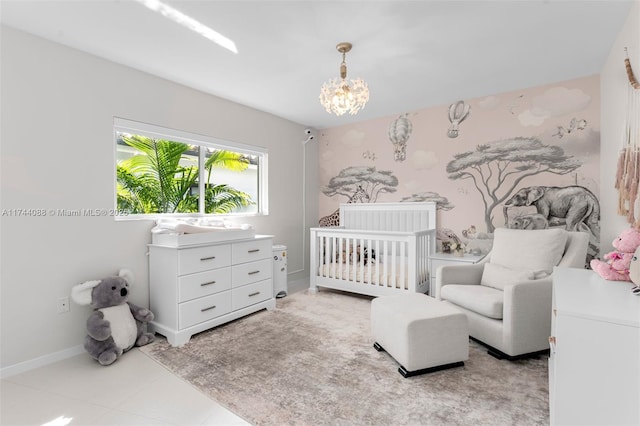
[
  {"x": 403, "y": 260},
  {"x": 394, "y": 257},
  {"x": 385, "y": 280},
  {"x": 360, "y": 258},
  {"x": 366, "y": 251},
  {"x": 341, "y": 257},
  {"x": 333, "y": 258},
  {"x": 320, "y": 248},
  {"x": 346, "y": 252},
  {"x": 352, "y": 259},
  {"x": 378, "y": 262}
]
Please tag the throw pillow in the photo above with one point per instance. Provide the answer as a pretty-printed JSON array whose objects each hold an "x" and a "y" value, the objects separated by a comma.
[
  {"x": 534, "y": 250},
  {"x": 497, "y": 276}
]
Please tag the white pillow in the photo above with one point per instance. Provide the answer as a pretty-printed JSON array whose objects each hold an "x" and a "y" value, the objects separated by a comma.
[
  {"x": 497, "y": 276},
  {"x": 534, "y": 250}
]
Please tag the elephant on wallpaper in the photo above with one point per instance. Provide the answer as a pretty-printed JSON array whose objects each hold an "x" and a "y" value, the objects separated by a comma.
[
  {"x": 529, "y": 221},
  {"x": 573, "y": 205}
]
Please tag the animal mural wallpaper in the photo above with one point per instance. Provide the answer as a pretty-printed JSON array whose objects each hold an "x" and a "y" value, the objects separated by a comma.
[{"x": 528, "y": 159}]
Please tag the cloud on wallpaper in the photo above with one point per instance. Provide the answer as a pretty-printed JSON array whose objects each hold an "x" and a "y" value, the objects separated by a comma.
[
  {"x": 353, "y": 138},
  {"x": 554, "y": 102},
  {"x": 423, "y": 160},
  {"x": 582, "y": 144},
  {"x": 528, "y": 118},
  {"x": 489, "y": 103}
]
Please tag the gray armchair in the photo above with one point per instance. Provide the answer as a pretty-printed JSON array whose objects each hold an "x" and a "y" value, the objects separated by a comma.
[{"x": 507, "y": 296}]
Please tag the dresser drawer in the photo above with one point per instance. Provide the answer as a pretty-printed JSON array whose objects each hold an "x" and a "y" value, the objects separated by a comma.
[
  {"x": 251, "y": 294},
  {"x": 200, "y": 259},
  {"x": 246, "y": 273},
  {"x": 204, "y": 283},
  {"x": 251, "y": 250},
  {"x": 203, "y": 309}
]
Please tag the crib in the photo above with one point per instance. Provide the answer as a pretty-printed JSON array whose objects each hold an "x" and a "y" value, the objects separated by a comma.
[{"x": 378, "y": 249}]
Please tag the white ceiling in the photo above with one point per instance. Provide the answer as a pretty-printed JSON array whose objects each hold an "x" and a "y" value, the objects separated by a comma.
[{"x": 413, "y": 54}]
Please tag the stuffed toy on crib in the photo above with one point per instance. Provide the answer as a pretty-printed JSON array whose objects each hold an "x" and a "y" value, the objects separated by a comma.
[{"x": 344, "y": 255}]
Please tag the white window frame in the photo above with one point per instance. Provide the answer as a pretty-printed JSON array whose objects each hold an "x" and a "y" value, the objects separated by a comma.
[{"x": 158, "y": 132}]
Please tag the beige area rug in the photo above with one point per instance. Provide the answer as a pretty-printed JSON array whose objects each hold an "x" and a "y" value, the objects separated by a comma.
[{"x": 311, "y": 362}]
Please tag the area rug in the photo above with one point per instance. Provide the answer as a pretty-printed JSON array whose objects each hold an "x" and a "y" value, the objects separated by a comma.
[{"x": 311, "y": 362}]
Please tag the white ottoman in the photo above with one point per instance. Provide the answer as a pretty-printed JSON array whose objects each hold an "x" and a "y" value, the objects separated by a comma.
[{"x": 423, "y": 334}]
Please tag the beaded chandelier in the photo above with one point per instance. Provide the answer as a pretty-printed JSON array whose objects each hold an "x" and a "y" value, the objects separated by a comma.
[{"x": 339, "y": 95}]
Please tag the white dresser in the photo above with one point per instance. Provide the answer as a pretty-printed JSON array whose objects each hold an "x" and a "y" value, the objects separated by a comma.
[
  {"x": 439, "y": 259},
  {"x": 594, "y": 367},
  {"x": 194, "y": 288}
]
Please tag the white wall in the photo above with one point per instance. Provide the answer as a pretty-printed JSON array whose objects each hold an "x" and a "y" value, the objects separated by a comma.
[
  {"x": 613, "y": 86},
  {"x": 57, "y": 152}
]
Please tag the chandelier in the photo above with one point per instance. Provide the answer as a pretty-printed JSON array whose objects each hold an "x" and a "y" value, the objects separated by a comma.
[{"x": 339, "y": 95}]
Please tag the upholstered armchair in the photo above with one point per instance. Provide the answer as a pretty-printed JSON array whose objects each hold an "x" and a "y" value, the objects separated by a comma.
[{"x": 507, "y": 296}]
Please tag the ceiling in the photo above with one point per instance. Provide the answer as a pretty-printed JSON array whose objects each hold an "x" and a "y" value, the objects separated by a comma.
[{"x": 413, "y": 54}]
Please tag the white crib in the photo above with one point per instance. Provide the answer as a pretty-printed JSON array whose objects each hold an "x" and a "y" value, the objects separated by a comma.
[{"x": 379, "y": 249}]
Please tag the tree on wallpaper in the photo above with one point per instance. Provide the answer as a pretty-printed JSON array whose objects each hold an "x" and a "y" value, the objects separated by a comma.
[
  {"x": 497, "y": 168},
  {"x": 442, "y": 203},
  {"x": 372, "y": 181}
]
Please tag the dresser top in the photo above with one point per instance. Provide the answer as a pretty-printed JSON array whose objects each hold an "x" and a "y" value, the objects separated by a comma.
[
  {"x": 213, "y": 243},
  {"x": 583, "y": 293}
]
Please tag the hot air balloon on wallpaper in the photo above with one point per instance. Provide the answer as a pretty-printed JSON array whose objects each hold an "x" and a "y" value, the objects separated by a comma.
[
  {"x": 399, "y": 133},
  {"x": 458, "y": 112}
]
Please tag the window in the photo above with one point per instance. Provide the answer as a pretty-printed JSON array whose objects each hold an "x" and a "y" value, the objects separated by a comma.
[{"x": 162, "y": 171}]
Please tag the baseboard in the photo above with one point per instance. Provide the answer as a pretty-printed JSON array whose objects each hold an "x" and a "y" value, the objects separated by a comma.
[{"x": 41, "y": 361}]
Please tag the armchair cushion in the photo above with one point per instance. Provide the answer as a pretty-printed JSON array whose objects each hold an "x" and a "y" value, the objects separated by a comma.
[
  {"x": 533, "y": 250},
  {"x": 481, "y": 299},
  {"x": 497, "y": 276}
]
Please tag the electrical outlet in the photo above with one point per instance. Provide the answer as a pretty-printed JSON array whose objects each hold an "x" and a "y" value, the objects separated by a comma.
[{"x": 63, "y": 305}]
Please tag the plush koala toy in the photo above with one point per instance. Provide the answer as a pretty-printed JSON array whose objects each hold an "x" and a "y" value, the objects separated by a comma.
[{"x": 116, "y": 325}]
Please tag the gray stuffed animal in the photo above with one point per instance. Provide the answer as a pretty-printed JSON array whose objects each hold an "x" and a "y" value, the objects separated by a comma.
[{"x": 116, "y": 325}]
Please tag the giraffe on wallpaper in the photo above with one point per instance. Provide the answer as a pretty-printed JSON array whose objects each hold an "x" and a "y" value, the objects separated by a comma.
[{"x": 359, "y": 196}]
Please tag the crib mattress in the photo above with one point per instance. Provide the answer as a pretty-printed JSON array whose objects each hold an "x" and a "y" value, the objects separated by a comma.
[{"x": 365, "y": 274}]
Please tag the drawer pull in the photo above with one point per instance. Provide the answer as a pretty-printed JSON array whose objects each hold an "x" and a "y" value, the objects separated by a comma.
[
  {"x": 207, "y": 258},
  {"x": 552, "y": 344},
  {"x": 253, "y": 251},
  {"x": 254, "y": 294},
  {"x": 254, "y": 272},
  {"x": 208, "y": 309},
  {"x": 209, "y": 283}
]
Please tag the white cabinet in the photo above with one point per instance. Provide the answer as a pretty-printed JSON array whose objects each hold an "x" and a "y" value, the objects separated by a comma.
[
  {"x": 594, "y": 366},
  {"x": 439, "y": 259},
  {"x": 194, "y": 288}
]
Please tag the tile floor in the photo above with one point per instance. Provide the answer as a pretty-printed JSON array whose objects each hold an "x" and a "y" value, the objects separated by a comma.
[{"x": 135, "y": 390}]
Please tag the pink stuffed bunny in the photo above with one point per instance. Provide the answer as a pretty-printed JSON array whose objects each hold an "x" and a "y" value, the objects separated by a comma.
[{"x": 615, "y": 266}]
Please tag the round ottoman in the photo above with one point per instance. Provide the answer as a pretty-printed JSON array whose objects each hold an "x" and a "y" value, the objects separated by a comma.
[{"x": 421, "y": 333}]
